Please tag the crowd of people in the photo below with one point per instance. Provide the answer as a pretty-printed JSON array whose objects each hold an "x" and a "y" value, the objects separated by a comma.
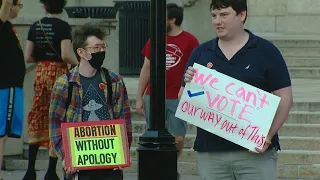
[{"x": 54, "y": 48}]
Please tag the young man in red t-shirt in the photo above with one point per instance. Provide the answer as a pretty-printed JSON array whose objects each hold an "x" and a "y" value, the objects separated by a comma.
[{"x": 180, "y": 45}]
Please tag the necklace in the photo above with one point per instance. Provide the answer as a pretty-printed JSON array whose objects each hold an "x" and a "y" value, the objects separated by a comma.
[{"x": 55, "y": 15}]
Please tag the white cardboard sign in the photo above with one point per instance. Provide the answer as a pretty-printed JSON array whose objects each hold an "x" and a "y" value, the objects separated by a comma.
[{"x": 229, "y": 108}]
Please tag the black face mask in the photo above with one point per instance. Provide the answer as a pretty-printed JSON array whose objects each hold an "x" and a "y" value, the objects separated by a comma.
[{"x": 97, "y": 59}]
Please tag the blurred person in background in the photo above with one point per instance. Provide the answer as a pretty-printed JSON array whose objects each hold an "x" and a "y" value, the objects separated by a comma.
[
  {"x": 179, "y": 46},
  {"x": 49, "y": 46}
]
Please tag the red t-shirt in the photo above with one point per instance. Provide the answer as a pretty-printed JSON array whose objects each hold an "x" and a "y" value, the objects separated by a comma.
[{"x": 179, "y": 48}]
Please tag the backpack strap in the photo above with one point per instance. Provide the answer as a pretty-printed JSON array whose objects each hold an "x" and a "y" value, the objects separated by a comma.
[
  {"x": 109, "y": 85},
  {"x": 70, "y": 89}
]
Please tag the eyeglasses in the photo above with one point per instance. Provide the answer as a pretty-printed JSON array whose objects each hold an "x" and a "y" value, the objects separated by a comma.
[
  {"x": 98, "y": 47},
  {"x": 20, "y": 5}
]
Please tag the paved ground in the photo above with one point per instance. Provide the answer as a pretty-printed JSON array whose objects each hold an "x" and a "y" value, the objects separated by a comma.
[{"x": 18, "y": 175}]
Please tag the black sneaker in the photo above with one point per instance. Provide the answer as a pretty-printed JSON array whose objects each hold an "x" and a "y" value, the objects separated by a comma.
[
  {"x": 30, "y": 175},
  {"x": 51, "y": 176}
]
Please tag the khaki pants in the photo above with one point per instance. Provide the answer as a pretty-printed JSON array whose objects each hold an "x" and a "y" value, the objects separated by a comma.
[{"x": 237, "y": 165}]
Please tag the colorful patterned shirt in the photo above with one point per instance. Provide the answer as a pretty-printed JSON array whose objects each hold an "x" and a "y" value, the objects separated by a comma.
[{"x": 57, "y": 113}]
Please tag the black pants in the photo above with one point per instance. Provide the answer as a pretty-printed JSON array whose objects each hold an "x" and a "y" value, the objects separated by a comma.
[{"x": 99, "y": 175}]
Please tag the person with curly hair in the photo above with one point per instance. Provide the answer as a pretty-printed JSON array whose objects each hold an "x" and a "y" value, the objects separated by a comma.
[
  {"x": 49, "y": 46},
  {"x": 89, "y": 92}
]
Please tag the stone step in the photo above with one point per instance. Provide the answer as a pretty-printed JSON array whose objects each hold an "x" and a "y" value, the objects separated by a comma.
[
  {"x": 301, "y": 130},
  {"x": 287, "y": 143},
  {"x": 292, "y": 40},
  {"x": 304, "y": 72},
  {"x": 285, "y": 156},
  {"x": 288, "y": 129},
  {"x": 302, "y": 61},
  {"x": 301, "y": 117},
  {"x": 297, "y": 106},
  {"x": 300, "y": 143},
  {"x": 297, "y": 117},
  {"x": 285, "y": 171},
  {"x": 306, "y": 106},
  {"x": 296, "y": 51}
]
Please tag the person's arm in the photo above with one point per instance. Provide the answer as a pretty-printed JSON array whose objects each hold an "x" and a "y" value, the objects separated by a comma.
[
  {"x": 279, "y": 84},
  {"x": 28, "y": 52},
  {"x": 145, "y": 71},
  {"x": 67, "y": 53},
  {"x": 4, "y": 11},
  {"x": 57, "y": 113},
  {"x": 144, "y": 78},
  {"x": 30, "y": 45},
  {"x": 194, "y": 43},
  {"x": 180, "y": 92},
  {"x": 283, "y": 110},
  {"x": 192, "y": 59},
  {"x": 121, "y": 108}
]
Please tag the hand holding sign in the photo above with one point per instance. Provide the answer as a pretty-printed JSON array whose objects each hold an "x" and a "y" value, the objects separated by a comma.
[
  {"x": 189, "y": 74},
  {"x": 265, "y": 146},
  {"x": 70, "y": 170}
]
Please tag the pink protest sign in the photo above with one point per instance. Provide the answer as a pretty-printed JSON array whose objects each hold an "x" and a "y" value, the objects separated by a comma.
[{"x": 229, "y": 108}]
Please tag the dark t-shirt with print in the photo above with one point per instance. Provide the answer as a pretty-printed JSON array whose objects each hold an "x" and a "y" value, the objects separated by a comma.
[
  {"x": 12, "y": 66},
  {"x": 56, "y": 31},
  {"x": 94, "y": 100}
]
